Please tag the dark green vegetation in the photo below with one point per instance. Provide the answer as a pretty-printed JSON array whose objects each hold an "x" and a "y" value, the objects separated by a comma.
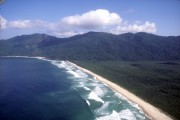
[
  {"x": 155, "y": 82},
  {"x": 95, "y": 46}
]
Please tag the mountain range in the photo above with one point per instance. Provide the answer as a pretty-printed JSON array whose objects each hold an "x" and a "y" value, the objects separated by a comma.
[{"x": 95, "y": 46}]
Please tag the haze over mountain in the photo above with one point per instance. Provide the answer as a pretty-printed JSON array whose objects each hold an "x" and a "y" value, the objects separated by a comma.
[{"x": 95, "y": 46}]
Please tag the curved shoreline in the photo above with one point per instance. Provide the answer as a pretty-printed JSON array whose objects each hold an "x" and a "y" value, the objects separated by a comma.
[{"x": 152, "y": 112}]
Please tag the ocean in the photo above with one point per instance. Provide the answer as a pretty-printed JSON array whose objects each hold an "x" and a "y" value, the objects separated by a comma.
[{"x": 41, "y": 89}]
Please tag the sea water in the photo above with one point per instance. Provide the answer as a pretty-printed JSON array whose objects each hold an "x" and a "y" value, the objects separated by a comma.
[{"x": 41, "y": 89}]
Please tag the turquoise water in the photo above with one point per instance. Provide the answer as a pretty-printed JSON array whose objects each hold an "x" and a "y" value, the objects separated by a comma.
[{"x": 56, "y": 90}]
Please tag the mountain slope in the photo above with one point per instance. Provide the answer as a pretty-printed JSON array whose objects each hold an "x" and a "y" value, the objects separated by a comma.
[{"x": 95, "y": 46}]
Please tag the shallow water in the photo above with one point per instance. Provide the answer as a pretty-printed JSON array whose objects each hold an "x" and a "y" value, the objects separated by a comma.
[{"x": 105, "y": 103}]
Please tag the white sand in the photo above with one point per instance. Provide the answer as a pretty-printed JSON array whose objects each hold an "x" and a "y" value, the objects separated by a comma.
[{"x": 150, "y": 110}]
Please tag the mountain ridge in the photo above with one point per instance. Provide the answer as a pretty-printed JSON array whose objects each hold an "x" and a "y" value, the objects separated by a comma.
[{"x": 95, "y": 46}]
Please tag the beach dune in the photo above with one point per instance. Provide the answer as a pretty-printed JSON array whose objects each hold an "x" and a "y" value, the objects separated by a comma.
[{"x": 151, "y": 111}]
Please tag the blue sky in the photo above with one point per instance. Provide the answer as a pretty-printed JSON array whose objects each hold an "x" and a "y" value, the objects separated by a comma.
[{"x": 63, "y": 18}]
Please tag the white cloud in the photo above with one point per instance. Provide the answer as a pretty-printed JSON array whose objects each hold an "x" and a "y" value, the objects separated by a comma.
[
  {"x": 3, "y": 23},
  {"x": 25, "y": 24},
  {"x": 65, "y": 33},
  {"x": 21, "y": 24},
  {"x": 100, "y": 20},
  {"x": 146, "y": 27},
  {"x": 93, "y": 19}
]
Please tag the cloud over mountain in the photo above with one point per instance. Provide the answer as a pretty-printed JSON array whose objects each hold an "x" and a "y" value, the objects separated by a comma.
[
  {"x": 146, "y": 27},
  {"x": 93, "y": 19},
  {"x": 100, "y": 20}
]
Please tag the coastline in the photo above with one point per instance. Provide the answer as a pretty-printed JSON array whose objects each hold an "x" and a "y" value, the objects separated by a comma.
[{"x": 152, "y": 112}]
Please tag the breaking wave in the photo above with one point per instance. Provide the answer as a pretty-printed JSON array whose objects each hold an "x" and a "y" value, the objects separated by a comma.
[{"x": 105, "y": 103}]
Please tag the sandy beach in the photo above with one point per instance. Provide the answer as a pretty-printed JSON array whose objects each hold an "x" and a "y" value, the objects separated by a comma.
[{"x": 151, "y": 111}]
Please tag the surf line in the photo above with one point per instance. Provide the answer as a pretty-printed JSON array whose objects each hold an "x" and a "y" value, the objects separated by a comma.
[{"x": 151, "y": 111}]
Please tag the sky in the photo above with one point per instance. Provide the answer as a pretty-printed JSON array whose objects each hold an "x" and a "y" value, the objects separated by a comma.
[{"x": 65, "y": 18}]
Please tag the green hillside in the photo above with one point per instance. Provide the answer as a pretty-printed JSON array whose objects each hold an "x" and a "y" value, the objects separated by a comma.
[
  {"x": 95, "y": 46},
  {"x": 157, "y": 82}
]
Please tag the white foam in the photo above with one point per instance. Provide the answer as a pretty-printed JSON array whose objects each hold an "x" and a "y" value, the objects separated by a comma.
[
  {"x": 81, "y": 74},
  {"x": 113, "y": 116},
  {"x": 141, "y": 117},
  {"x": 141, "y": 111},
  {"x": 63, "y": 64},
  {"x": 136, "y": 106},
  {"x": 86, "y": 88},
  {"x": 120, "y": 96},
  {"x": 72, "y": 70},
  {"x": 91, "y": 79},
  {"x": 105, "y": 84},
  {"x": 103, "y": 110},
  {"x": 73, "y": 73},
  {"x": 95, "y": 84},
  {"x": 41, "y": 58},
  {"x": 127, "y": 114},
  {"x": 38, "y": 57},
  {"x": 88, "y": 102},
  {"x": 98, "y": 91},
  {"x": 93, "y": 96}
]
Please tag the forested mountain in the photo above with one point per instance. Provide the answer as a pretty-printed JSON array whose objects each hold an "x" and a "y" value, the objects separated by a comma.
[{"x": 95, "y": 46}]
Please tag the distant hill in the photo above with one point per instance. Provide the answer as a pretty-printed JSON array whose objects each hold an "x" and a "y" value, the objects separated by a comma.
[{"x": 95, "y": 46}]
